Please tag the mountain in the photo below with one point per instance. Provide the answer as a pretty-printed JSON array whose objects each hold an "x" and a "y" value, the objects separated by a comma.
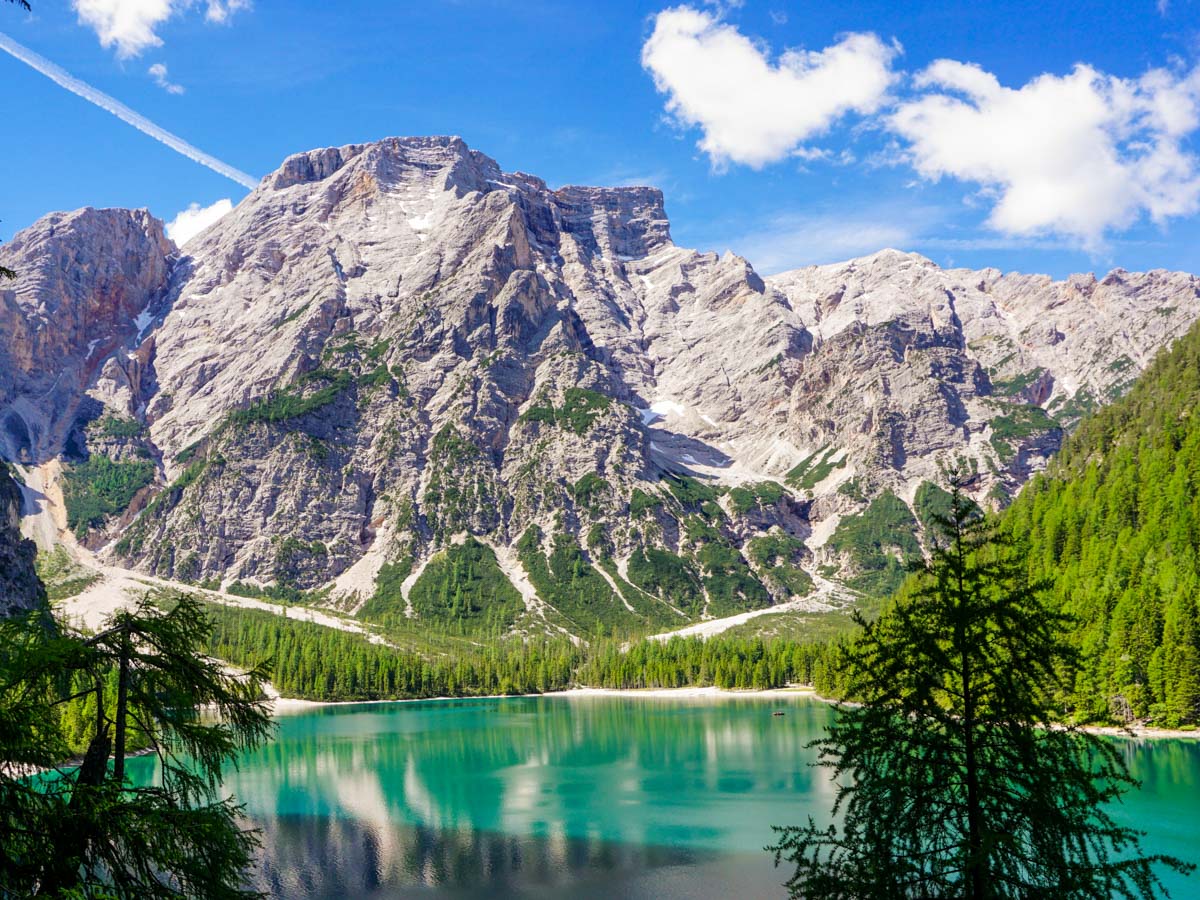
[
  {"x": 1114, "y": 526},
  {"x": 400, "y": 381},
  {"x": 20, "y": 589}
]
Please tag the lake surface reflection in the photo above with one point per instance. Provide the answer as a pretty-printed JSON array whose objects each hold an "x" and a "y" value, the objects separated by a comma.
[{"x": 587, "y": 796}]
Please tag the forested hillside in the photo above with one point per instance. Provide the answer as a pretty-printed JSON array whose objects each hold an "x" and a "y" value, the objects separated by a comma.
[{"x": 1114, "y": 525}]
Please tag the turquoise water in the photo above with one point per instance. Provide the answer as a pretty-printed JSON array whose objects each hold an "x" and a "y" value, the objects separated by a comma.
[{"x": 582, "y": 797}]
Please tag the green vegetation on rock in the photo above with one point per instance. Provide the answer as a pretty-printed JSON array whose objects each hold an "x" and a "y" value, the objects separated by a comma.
[
  {"x": 569, "y": 583},
  {"x": 579, "y": 411},
  {"x": 463, "y": 588},
  {"x": 98, "y": 488},
  {"x": 293, "y": 401},
  {"x": 745, "y": 498},
  {"x": 814, "y": 469},
  {"x": 669, "y": 577},
  {"x": 878, "y": 541},
  {"x": 1016, "y": 425}
]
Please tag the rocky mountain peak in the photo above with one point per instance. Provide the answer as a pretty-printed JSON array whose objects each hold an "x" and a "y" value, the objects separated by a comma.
[{"x": 388, "y": 346}]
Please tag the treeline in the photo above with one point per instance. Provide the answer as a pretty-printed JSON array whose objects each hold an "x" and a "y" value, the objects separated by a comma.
[
  {"x": 314, "y": 662},
  {"x": 1114, "y": 528},
  {"x": 724, "y": 662}
]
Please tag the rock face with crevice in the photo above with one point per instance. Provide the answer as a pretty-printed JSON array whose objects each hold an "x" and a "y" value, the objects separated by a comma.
[
  {"x": 86, "y": 284},
  {"x": 388, "y": 345},
  {"x": 20, "y": 589}
]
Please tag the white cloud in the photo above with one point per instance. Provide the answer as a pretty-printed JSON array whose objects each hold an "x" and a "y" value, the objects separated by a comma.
[
  {"x": 193, "y": 220},
  {"x": 219, "y": 11},
  {"x": 129, "y": 25},
  {"x": 132, "y": 25},
  {"x": 158, "y": 72},
  {"x": 754, "y": 110},
  {"x": 1078, "y": 155}
]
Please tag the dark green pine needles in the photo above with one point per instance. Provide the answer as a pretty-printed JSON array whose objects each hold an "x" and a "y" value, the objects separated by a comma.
[
  {"x": 953, "y": 778},
  {"x": 89, "y": 830}
]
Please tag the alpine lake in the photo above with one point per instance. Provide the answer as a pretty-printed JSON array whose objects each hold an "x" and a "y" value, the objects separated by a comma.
[{"x": 579, "y": 796}]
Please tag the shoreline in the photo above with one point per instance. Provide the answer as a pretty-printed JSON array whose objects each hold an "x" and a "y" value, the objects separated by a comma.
[
  {"x": 296, "y": 704},
  {"x": 287, "y": 705}
]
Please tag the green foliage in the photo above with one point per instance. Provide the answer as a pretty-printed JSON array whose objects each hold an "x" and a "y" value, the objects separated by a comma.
[
  {"x": 879, "y": 542},
  {"x": 640, "y": 502},
  {"x": 668, "y": 577},
  {"x": 655, "y": 615},
  {"x": 115, "y": 426},
  {"x": 377, "y": 351},
  {"x": 189, "y": 452},
  {"x": 731, "y": 586},
  {"x": 1019, "y": 423},
  {"x": 378, "y": 377},
  {"x": 753, "y": 496},
  {"x": 814, "y": 469},
  {"x": 319, "y": 663},
  {"x": 1068, "y": 411},
  {"x": 774, "y": 555},
  {"x": 464, "y": 588},
  {"x": 98, "y": 488},
  {"x": 1115, "y": 522},
  {"x": 387, "y": 603},
  {"x": 324, "y": 664},
  {"x": 690, "y": 492},
  {"x": 853, "y": 488},
  {"x": 292, "y": 316},
  {"x": 290, "y": 555},
  {"x": 587, "y": 489},
  {"x": 293, "y": 401},
  {"x": 732, "y": 663},
  {"x": 286, "y": 594},
  {"x": 579, "y": 410},
  {"x": 88, "y": 831},
  {"x": 458, "y": 486},
  {"x": 954, "y": 774},
  {"x": 569, "y": 583},
  {"x": 62, "y": 576},
  {"x": 134, "y": 537},
  {"x": 1018, "y": 384}
]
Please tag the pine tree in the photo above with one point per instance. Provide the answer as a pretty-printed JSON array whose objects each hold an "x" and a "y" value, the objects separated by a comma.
[
  {"x": 91, "y": 831},
  {"x": 956, "y": 777}
]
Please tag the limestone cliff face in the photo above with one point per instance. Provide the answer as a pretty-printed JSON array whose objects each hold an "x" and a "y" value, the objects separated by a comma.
[
  {"x": 20, "y": 589},
  {"x": 388, "y": 345},
  {"x": 88, "y": 281}
]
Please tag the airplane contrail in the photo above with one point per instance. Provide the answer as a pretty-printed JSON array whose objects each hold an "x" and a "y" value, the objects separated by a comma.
[{"x": 121, "y": 111}]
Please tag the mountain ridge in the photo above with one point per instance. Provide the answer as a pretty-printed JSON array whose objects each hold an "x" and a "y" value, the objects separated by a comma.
[{"x": 390, "y": 345}]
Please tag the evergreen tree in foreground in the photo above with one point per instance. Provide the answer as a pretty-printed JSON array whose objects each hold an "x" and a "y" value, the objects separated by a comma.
[
  {"x": 89, "y": 831},
  {"x": 954, "y": 778}
]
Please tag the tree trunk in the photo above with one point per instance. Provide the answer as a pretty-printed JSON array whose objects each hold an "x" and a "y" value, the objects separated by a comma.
[
  {"x": 976, "y": 873},
  {"x": 976, "y": 864},
  {"x": 122, "y": 713}
]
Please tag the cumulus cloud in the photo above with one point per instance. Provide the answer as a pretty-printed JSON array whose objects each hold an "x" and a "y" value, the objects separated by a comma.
[
  {"x": 131, "y": 26},
  {"x": 193, "y": 220},
  {"x": 752, "y": 109},
  {"x": 1079, "y": 154},
  {"x": 219, "y": 11},
  {"x": 158, "y": 72}
]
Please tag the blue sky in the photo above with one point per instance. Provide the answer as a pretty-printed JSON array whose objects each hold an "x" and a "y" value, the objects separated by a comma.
[{"x": 791, "y": 133}]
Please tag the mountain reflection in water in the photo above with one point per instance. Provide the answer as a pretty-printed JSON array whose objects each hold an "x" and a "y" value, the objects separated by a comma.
[{"x": 592, "y": 797}]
